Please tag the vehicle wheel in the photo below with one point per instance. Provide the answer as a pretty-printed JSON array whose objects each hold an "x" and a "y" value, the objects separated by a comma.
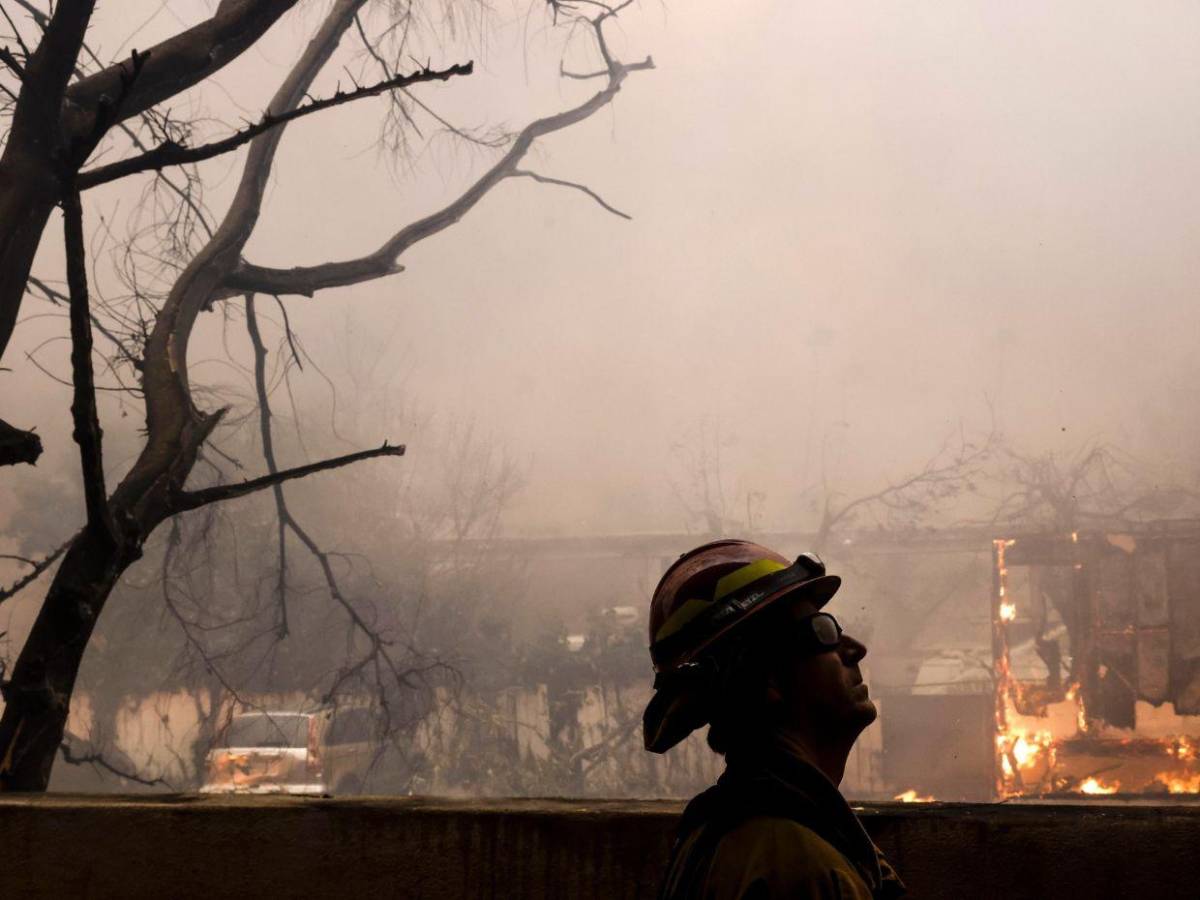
[{"x": 348, "y": 787}]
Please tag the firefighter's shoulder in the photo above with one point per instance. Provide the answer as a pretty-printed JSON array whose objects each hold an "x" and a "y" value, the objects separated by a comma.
[{"x": 774, "y": 857}]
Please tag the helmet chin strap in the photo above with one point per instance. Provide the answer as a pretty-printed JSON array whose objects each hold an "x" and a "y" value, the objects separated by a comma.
[{"x": 708, "y": 673}]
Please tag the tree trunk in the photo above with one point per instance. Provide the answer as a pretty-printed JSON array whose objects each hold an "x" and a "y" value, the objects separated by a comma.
[
  {"x": 37, "y": 697},
  {"x": 28, "y": 192}
]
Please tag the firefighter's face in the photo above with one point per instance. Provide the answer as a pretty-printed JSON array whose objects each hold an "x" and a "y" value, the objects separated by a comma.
[{"x": 825, "y": 692}]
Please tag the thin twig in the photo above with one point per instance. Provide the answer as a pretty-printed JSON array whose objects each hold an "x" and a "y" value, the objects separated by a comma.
[
  {"x": 544, "y": 179},
  {"x": 268, "y": 449},
  {"x": 98, "y": 760}
]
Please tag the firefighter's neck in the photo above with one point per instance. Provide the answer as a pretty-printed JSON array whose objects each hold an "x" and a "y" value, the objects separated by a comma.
[{"x": 825, "y": 754}]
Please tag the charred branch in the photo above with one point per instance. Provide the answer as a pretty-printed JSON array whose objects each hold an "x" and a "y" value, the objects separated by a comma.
[
  {"x": 33, "y": 574},
  {"x": 305, "y": 281},
  {"x": 196, "y": 499},
  {"x": 171, "y": 153},
  {"x": 179, "y": 62}
]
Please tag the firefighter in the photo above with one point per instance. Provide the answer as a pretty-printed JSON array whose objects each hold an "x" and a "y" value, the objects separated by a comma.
[{"x": 739, "y": 643}]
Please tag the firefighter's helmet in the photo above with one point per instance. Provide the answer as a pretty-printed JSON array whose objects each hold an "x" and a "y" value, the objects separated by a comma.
[{"x": 704, "y": 598}]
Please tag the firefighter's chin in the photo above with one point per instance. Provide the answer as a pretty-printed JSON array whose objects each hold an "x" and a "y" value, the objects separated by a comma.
[{"x": 864, "y": 709}]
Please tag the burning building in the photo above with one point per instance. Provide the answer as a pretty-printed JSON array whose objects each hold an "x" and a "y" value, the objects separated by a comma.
[{"x": 1096, "y": 662}]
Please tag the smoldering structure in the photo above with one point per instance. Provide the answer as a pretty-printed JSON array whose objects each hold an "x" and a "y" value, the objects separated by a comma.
[
  {"x": 1091, "y": 683},
  {"x": 1096, "y": 658}
]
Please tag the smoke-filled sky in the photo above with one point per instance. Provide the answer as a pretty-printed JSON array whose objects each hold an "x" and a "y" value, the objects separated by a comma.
[{"x": 854, "y": 227}]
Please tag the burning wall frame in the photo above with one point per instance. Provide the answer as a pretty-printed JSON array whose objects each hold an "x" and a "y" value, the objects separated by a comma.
[{"x": 1096, "y": 661}]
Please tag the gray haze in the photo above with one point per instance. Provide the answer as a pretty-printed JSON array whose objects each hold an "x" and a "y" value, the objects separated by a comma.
[{"x": 854, "y": 227}]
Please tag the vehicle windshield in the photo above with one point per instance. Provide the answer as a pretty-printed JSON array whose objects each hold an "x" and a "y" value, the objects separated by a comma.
[{"x": 268, "y": 730}]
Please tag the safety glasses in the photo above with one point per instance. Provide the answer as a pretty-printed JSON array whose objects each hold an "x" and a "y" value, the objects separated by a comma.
[{"x": 819, "y": 633}]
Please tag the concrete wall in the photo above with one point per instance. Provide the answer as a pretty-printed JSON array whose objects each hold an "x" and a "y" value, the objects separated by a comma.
[{"x": 62, "y": 846}]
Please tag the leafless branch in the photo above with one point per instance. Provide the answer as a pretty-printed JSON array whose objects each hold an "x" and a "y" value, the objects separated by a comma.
[
  {"x": 36, "y": 14},
  {"x": 195, "y": 499},
  {"x": 33, "y": 574},
  {"x": 6, "y": 57},
  {"x": 289, "y": 334},
  {"x": 582, "y": 76},
  {"x": 97, "y": 759},
  {"x": 171, "y": 153},
  {"x": 544, "y": 179}
]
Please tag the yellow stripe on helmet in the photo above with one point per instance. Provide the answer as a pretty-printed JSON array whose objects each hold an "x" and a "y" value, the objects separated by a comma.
[
  {"x": 688, "y": 611},
  {"x": 741, "y": 577},
  {"x": 726, "y": 586}
]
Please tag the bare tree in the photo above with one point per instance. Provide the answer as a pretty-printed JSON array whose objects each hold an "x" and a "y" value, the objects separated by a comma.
[
  {"x": 700, "y": 484},
  {"x": 1097, "y": 484},
  {"x": 56, "y": 126},
  {"x": 956, "y": 468}
]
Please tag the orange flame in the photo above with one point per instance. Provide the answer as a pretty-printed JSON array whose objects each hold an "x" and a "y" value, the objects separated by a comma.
[
  {"x": 1183, "y": 748},
  {"x": 911, "y": 796},
  {"x": 1094, "y": 786},
  {"x": 1179, "y": 784}
]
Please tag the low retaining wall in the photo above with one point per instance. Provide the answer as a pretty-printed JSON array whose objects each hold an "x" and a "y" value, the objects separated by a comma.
[{"x": 188, "y": 846}]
